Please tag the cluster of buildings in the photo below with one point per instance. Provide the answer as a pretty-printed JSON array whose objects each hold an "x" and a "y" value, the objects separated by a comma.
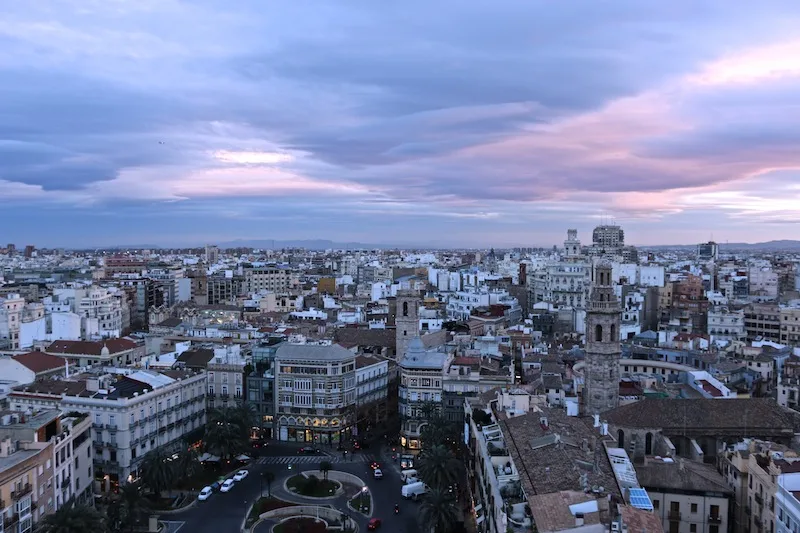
[{"x": 599, "y": 387}]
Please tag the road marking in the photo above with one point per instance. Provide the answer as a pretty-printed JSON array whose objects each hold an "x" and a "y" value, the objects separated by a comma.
[{"x": 172, "y": 523}]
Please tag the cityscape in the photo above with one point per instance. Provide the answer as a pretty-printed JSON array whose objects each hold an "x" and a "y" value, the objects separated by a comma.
[
  {"x": 589, "y": 386},
  {"x": 421, "y": 267}
]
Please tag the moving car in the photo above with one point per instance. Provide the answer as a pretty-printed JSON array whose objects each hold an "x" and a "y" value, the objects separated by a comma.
[
  {"x": 308, "y": 451},
  {"x": 227, "y": 485},
  {"x": 414, "y": 490},
  {"x": 240, "y": 475},
  {"x": 205, "y": 494},
  {"x": 373, "y": 524},
  {"x": 377, "y": 473},
  {"x": 375, "y": 465},
  {"x": 406, "y": 474}
]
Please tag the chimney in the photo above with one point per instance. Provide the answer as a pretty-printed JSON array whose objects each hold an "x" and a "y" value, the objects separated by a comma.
[
  {"x": 597, "y": 421},
  {"x": 578, "y": 519},
  {"x": 604, "y": 430}
]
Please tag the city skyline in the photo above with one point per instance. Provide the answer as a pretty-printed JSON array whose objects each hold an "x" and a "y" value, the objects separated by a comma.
[{"x": 504, "y": 125}]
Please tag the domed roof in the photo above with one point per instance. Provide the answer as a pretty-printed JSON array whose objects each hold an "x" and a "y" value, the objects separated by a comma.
[
  {"x": 605, "y": 263},
  {"x": 415, "y": 349}
]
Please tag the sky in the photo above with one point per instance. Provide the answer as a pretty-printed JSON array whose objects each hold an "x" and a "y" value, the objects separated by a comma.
[{"x": 462, "y": 123}]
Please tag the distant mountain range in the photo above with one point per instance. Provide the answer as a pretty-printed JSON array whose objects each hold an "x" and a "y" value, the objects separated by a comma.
[
  {"x": 785, "y": 244},
  {"x": 326, "y": 244}
]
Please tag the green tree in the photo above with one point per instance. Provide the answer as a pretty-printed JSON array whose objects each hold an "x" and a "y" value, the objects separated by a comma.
[
  {"x": 187, "y": 464},
  {"x": 268, "y": 476},
  {"x": 438, "y": 467},
  {"x": 325, "y": 467},
  {"x": 228, "y": 431},
  {"x": 71, "y": 518},
  {"x": 132, "y": 506},
  {"x": 438, "y": 511},
  {"x": 157, "y": 472}
]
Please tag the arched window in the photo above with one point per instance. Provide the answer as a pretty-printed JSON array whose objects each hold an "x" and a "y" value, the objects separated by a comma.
[
  {"x": 613, "y": 333},
  {"x": 648, "y": 444},
  {"x": 598, "y": 333},
  {"x": 621, "y": 438},
  {"x": 405, "y": 308}
]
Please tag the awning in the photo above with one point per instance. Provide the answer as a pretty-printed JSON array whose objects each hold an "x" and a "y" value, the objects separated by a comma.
[
  {"x": 207, "y": 457},
  {"x": 243, "y": 457}
]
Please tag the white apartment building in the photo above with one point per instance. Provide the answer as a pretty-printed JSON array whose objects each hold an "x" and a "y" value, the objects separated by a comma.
[
  {"x": 787, "y": 506},
  {"x": 372, "y": 386},
  {"x": 132, "y": 412},
  {"x": 763, "y": 284},
  {"x": 10, "y": 319},
  {"x": 225, "y": 376},
  {"x": 316, "y": 391},
  {"x": 101, "y": 311},
  {"x": 421, "y": 382},
  {"x": 73, "y": 465},
  {"x": 460, "y": 304},
  {"x": 726, "y": 325}
]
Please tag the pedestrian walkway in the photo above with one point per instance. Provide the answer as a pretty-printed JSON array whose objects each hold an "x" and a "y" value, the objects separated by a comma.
[{"x": 315, "y": 459}]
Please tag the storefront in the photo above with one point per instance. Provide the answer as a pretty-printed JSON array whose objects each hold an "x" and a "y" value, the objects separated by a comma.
[{"x": 321, "y": 431}]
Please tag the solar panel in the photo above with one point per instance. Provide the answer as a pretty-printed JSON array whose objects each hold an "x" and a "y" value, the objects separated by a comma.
[{"x": 640, "y": 499}]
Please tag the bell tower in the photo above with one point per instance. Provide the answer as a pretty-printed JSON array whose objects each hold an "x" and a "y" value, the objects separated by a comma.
[
  {"x": 603, "y": 350},
  {"x": 406, "y": 320}
]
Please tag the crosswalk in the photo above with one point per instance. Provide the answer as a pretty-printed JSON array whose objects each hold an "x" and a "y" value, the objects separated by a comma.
[{"x": 315, "y": 459}]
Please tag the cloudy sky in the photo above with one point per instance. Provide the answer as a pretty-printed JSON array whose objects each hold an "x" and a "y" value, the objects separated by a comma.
[{"x": 465, "y": 122}]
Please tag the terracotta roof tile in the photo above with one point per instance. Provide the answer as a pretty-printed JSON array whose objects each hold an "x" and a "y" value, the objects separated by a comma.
[
  {"x": 91, "y": 347},
  {"x": 39, "y": 362}
]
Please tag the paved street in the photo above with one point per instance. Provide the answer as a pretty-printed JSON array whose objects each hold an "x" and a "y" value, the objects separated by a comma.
[{"x": 223, "y": 513}]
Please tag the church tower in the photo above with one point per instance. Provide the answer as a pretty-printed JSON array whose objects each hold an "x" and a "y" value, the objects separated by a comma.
[
  {"x": 603, "y": 351},
  {"x": 406, "y": 320}
]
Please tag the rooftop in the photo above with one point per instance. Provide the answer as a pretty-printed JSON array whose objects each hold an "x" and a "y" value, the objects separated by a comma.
[
  {"x": 39, "y": 362},
  {"x": 91, "y": 347},
  {"x": 761, "y": 416},
  {"x": 682, "y": 475},
  {"x": 312, "y": 352}
]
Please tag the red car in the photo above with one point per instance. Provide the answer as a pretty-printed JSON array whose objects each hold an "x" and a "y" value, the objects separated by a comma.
[{"x": 373, "y": 524}]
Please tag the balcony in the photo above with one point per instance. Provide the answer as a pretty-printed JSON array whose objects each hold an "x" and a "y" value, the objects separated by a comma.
[
  {"x": 757, "y": 521},
  {"x": 97, "y": 425},
  {"x": 65, "y": 483},
  {"x": 674, "y": 516},
  {"x": 714, "y": 519},
  {"x": 759, "y": 499},
  {"x": 22, "y": 490},
  {"x": 10, "y": 520},
  {"x": 111, "y": 427}
]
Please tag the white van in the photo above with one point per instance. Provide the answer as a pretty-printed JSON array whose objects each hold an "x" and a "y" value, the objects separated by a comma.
[
  {"x": 414, "y": 490},
  {"x": 405, "y": 474}
]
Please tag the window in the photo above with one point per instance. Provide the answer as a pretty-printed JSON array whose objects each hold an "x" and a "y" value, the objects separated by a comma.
[
  {"x": 656, "y": 504},
  {"x": 694, "y": 508},
  {"x": 132, "y": 418},
  {"x": 598, "y": 333},
  {"x": 692, "y": 528}
]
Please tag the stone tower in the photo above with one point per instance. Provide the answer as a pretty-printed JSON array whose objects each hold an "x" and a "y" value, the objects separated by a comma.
[
  {"x": 406, "y": 320},
  {"x": 603, "y": 351}
]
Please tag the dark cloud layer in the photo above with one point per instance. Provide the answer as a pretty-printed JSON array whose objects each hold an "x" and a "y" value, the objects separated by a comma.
[{"x": 461, "y": 107}]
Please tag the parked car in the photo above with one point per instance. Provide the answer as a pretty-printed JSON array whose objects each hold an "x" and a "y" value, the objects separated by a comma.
[
  {"x": 377, "y": 473},
  {"x": 227, "y": 485},
  {"x": 308, "y": 451},
  {"x": 373, "y": 524},
  {"x": 205, "y": 494},
  {"x": 240, "y": 475},
  {"x": 215, "y": 486}
]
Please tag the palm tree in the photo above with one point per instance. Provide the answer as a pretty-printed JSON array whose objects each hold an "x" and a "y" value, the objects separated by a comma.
[
  {"x": 132, "y": 506},
  {"x": 325, "y": 467},
  {"x": 71, "y": 518},
  {"x": 187, "y": 463},
  {"x": 268, "y": 476},
  {"x": 157, "y": 473},
  {"x": 228, "y": 431},
  {"x": 438, "y": 467},
  {"x": 438, "y": 511}
]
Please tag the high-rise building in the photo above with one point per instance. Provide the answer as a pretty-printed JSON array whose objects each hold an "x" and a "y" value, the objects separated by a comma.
[
  {"x": 212, "y": 254},
  {"x": 603, "y": 350},
  {"x": 29, "y": 251},
  {"x": 608, "y": 236},
  {"x": 708, "y": 251},
  {"x": 11, "y": 249}
]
